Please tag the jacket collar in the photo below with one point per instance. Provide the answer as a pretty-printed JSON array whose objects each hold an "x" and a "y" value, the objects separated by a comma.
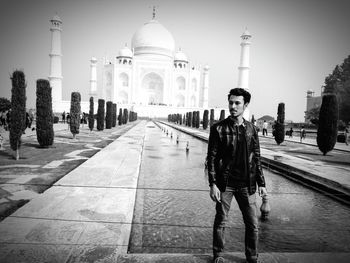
[{"x": 244, "y": 123}]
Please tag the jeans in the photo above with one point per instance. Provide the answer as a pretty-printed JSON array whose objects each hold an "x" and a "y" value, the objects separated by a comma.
[{"x": 247, "y": 205}]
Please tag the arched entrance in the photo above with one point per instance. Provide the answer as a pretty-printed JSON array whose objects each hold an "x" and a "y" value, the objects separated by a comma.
[{"x": 152, "y": 89}]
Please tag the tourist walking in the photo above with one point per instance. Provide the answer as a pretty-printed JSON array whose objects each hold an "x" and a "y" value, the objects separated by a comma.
[
  {"x": 291, "y": 132},
  {"x": 302, "y": 133},
  {"x": 265, "y": 124},
  {"x": 347, "y": 133},
  {"x": 64, "y": 117},
  {"x": 234, "y": 170}
]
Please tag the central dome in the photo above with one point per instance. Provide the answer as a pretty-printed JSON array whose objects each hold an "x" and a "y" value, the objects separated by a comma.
[{"x": 153, "y": 38}]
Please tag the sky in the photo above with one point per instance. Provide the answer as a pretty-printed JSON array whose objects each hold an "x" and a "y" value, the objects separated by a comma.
[{"x": 295, "y": 43}]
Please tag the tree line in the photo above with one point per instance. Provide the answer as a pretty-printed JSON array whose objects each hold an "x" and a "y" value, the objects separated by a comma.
[{"x": 45, "y": 116}]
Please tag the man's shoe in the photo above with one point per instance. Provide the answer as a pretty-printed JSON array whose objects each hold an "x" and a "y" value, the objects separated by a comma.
[
  {"x": 219, "y": 260},
  {"x": 252, "y": 260}
]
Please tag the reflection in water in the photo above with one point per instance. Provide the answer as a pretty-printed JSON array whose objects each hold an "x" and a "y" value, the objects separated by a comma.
[{"x": 174, "y": 213}]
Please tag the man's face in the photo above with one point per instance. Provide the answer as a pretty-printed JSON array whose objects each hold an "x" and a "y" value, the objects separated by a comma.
[{"x": 236, "y": 105}]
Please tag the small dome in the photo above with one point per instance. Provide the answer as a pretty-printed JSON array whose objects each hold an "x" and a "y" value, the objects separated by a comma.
[
  {"x": 56, "y": 18},
  {"x": 93, "y": 59},
  {"x": 206, "y": 67},
  {"x": 246, "y": 33},
  {"x": 179, "y": 55},
  {"x": 154, "y": 38},
  {"x": 125, "y": 52}
]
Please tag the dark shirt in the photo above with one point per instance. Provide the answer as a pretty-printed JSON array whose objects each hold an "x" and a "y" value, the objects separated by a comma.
[{"x": 238, "y": 172}]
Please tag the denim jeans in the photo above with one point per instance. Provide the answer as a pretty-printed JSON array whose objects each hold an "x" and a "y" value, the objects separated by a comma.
[{"x": 247, "y": 205}]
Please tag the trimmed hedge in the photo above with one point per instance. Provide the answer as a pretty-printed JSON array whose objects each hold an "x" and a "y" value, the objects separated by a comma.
[
  {"x": 75, "y": 111},
  {"x": 91, "y": 118},
  {"x": 205, "y": 119},
  {"x": 101, "y": 115},
  {"x": 18, "y": 110},
  {"x": 125, "y": 116},
  {"x": 279, "y": 126},
  {"x": 222, "y": 115},
  {"x": 120, "y": 117},
  {"x": 109, "y": 115},
  {"x": 211, "y": 122},
  {"x": 114, "y": 122},
  {"x": 198, "y": 119},
  {"x": 44, "y": 114},
  {"x": 328, "y": 123}
]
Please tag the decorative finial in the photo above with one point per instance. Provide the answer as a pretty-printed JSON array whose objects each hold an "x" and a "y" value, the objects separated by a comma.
[{"x": 154, "y": 12}]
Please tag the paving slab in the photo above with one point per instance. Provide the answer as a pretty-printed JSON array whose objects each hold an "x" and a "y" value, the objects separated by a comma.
[{"x": 237, "y": 258}]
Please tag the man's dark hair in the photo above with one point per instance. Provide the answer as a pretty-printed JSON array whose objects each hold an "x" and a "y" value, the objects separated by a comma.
[{"x": 240, "y": 92}]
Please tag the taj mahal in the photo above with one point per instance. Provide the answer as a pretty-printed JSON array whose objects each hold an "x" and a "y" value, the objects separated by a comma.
[{"x": 150, "y": 77}]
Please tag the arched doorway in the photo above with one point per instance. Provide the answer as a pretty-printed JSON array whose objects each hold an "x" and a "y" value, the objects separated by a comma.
[{"x": 152, "y": 89}]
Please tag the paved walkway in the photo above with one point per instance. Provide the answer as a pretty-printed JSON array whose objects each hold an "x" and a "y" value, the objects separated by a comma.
[{"x": 86, "y": 216}]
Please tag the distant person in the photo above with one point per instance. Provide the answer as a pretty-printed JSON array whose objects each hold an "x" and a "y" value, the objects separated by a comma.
[
  {"x": 265, "y": 124},
  {"x": 291, "y": 132},
  {"x": 347, "y": 133},
  {"x": 68, "y": 118},
  {"x": 234, "y": 170},
  {"x": 302, "y": 133},
  {"x": 64, "y": 117}
]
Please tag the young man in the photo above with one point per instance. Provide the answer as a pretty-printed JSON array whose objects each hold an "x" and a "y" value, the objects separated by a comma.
[{"x": 234, "y": 169}]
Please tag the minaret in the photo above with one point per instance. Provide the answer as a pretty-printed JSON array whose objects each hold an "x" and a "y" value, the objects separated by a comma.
[
  {"x": 243, "y": 69},
  {"x": 205, "y": 86},
  {"x": 55, "y": 76},
  {"x": 93, "y": 78}
]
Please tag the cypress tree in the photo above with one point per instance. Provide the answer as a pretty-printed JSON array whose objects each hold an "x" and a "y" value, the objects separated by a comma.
[
  {"x": 101, "y": 115},
  {"x": 114, "y": 115},
  {"x": 18, "y": 110},
  {"x": 253, "y": 119},
  {"x": 120, "y": 117},
  {"x": 44, "y": 114},
  {"x": 109, "y": 115},
  {"x": 222, "y": 115},
  {"x": 75, "y": 111},
  {"x": 193, "y": 124},
  {"x": 125, "y": 116},
  {"x": 328, "y": 119},
  {"x": 205, "y": 119},
  {"x": 184, "y": 118},
  {"x": 190, "y": 119},
  {"x": 91, "y": 114},
  {"x": 198, "y": 119},
  {"x": 211, "y": 117},
  {"x": 279, "y": 125}
]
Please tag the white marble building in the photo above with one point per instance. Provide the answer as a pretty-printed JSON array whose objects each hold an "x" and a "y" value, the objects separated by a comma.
[{"x": 151, "y": 72}]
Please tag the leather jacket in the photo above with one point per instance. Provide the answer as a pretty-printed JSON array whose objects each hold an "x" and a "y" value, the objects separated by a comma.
[{"x": 222, "y": 150}]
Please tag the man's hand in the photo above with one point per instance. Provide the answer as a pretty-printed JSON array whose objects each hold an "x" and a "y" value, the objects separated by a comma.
[
  {"x": 215, "y": 194},
  {"x": 262, "y": 191}
]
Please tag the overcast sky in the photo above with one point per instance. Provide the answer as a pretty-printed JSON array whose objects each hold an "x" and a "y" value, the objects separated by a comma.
[{"x": 295, "y": 43}]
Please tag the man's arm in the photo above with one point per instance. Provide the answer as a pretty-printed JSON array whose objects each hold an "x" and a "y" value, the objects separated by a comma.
[
  {"x": 257, "y": 159},
  {"x": 213, "y": 147}
]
